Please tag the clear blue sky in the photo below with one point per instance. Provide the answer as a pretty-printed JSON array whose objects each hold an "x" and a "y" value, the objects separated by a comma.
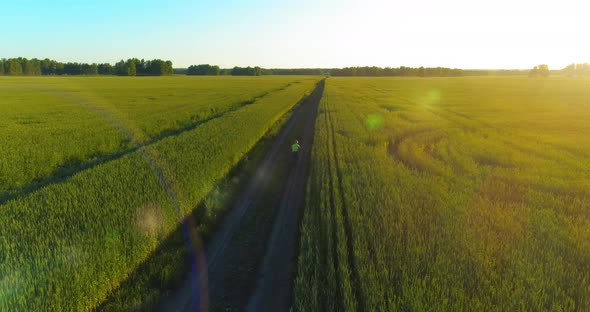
[{"x": 306, "y": 33}]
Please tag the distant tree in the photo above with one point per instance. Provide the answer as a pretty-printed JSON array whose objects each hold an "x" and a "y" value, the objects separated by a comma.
[
  {"x": 84, "y": 69},
  {"x": 105, "y": 69},
  {"x": 578, "y": 70},
  {"x": 2, "y": 67},
  {"x": 245, "y": 71},
  {"x": 93, "y": 69},
  {"x": 569, "y": 70},
  {"x": 543, "y": 70},
  {"x": 59, "y": 68},
  {"x": 214, "y": 70},
  {"x": 14, "y": 67},
  {"x": 456, "y": 72},
  {"x": 120, "y": 68},
  {"x": 421, "y": 71},
  {"x": 31, "y": 67},
  {"x": 141, "y": 67},
  {"x": 47, "y": 67},
  {"x": 88, "y": 69},
  {"x": 404, "y": 71},
  {"x": 168, "y": 69},
  {"x": 194, "y": 70},
  {"x": 157, "y": 67},
  {"x": 203, "y": 69},
  {"x": 236, "y": 71},
  {"x": 131, "y": 67},
  {"x": 389, "y": 71},
  {"x": 72, "y": 68}
]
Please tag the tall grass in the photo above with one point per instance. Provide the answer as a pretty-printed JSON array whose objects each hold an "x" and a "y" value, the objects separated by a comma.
[
  {"x": 66, "y": 246},
  {"x": 461, "y": 194},
  {"x": 50, "y": 126}
]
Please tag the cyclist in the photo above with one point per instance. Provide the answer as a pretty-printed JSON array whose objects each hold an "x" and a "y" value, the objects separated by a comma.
[{"x": 295, "y": 149}]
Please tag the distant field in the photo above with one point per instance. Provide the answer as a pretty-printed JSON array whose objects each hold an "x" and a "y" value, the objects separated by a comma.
[
  {"x": 136, "y": 155},
  {"x": 50, "y": 123},
  {"x": 448, "y": 194}
]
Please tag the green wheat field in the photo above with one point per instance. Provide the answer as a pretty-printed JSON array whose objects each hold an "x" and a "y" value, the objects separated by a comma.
[
  {"x": 81, "y": 161},
  {"x": 448, "y": 194},
  {"x": 423, "y": 194}
]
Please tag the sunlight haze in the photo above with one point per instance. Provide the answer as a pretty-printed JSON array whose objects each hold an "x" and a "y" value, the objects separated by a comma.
[{"x": 456, "y": 33}]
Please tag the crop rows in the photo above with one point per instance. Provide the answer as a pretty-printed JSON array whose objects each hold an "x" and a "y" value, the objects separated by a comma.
[
  {"x": 49, "y": 126},
  {"x": 67, "y": 245},
  {"x": 431, "y": 194}
]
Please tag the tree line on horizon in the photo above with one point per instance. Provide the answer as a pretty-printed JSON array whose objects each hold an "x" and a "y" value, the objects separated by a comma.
[
  {"x": 131, "y": 67},
  {"x": 206, "y": 69},
  {"x": 135, "y": 67},
  {"x": 541, "y": 70},
  {"x": 214, "y": 70},
  {"x": 577, "y": 70},
  {"x": 573, "y": 70},
  {"x": 403, "y": 71}
]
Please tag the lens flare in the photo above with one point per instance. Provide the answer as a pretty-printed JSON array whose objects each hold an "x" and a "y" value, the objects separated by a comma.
[
  {"x": 374, "y": 122},
  {"x": 432, "y": 97},
  {"x": 149, "y": 221}
]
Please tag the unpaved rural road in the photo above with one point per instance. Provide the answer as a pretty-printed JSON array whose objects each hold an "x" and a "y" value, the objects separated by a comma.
[{"x": 275, "y": 276}]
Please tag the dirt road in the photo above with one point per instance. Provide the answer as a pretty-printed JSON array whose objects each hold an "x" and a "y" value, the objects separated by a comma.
[
  {"x": 273, "y": 292},
  {"x": 273, "y": 282}
]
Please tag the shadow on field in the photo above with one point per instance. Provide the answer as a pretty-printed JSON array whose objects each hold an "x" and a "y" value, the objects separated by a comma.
[{"x": 170, "y": 264}]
